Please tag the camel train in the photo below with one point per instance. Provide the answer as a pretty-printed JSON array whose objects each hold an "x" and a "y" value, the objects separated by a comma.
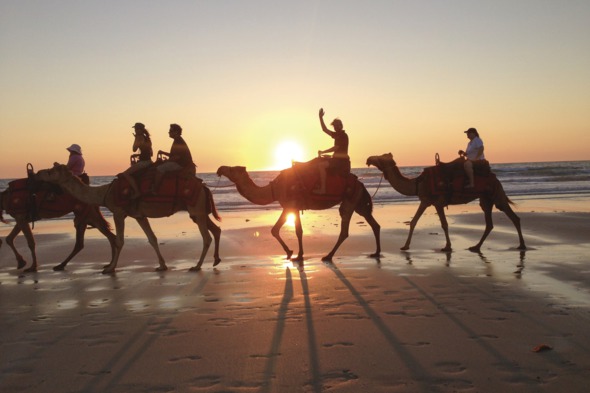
[{"x": 294, "y": 189}]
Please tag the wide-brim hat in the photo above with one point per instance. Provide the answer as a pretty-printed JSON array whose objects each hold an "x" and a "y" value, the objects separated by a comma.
[{"x": 75, "y": 148}]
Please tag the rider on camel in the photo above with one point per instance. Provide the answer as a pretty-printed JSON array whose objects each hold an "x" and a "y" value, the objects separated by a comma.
[
  {"x": 179, "y": 157},
  {"x": 140, "y": 160},
  {"x": 340, "y": 159},
  {"x": 473, "y": 153}
]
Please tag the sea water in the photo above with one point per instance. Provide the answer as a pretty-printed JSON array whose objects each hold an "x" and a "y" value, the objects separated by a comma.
[{"x": 520, "y": 181}]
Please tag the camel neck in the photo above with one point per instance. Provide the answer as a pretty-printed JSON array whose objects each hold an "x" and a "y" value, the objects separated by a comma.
[
  {"x": 254, "y": 193},
  {"x": 87, "y": 194},
  {"x": 399, "y": 182}
]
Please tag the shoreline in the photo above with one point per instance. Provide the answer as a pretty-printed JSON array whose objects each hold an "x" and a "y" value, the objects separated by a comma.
[{"x": 415, "y": 321}]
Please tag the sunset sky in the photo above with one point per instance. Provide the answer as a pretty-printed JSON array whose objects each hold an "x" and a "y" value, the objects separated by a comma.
[{"x": 244, "y": 77}]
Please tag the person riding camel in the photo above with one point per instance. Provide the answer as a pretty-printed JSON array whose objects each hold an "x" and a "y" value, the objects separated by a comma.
[
  {"x": 473, "y": 153},
  {"x": 141, "y": 160},
  {"x": 76, "y": 164},
  {"x": 179, "y": 157},
  {"x": 340, "y": 159}
]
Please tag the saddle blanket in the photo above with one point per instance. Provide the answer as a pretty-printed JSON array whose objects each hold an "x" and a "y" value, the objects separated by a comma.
[
  {"x": 27, "y": 197},
  {"x": 441, "y": 183},
  {"x": 174, "y": 187},
  {"x": 307, "y": 177}
]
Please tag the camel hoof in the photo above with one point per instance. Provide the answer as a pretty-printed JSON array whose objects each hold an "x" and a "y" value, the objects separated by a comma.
[
  {"x": 299, "y": 258},
  {"x": 108, "y": 271},
  {"x": 195, "y": 269},
  {"x": 289, "y": 254},
  {"x": 521, "y": 247},
  {"x": 58, "y": 268},
  {"x": 31, "y": 270},
  {"x": 474, "y": 249},
  {"x": 405, "y": 248},
  {"x": 327, "y": 258},
  {"x": 446, "y": 249},
  {"x": 162, "y": 268},
  {"x": 217, "y": 261},
  {"x": 20, "y": 264}
]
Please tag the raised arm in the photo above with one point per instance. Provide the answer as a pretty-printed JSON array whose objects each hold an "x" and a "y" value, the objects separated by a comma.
[{"x": 324, "y": 128}]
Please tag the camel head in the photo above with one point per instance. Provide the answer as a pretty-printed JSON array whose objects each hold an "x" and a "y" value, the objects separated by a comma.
[
  {"x": 232, "y": 172},
  {"x": 58, "y": 174},
  {"x": 380, "y": 162}
]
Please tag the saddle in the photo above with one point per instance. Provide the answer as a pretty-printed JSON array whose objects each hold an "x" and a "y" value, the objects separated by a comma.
[
  {"x": 449, "y": 178},
  {"x": 306, "y": 177},
  {"x": 30, "y": 196},
  {"x": 181, "y": 186}
]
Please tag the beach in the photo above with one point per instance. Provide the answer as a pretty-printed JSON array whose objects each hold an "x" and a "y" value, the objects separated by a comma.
[{"x": 423, "y": 320}]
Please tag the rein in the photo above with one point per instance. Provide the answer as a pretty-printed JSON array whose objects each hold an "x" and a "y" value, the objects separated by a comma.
[{"x": 378, "y": 186}]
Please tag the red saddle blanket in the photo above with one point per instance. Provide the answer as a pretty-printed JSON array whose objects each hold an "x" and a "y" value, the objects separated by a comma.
[
  {"x": 40, "y": 199},
  {"x": 174, "y": 187},
  {"x": 306, "y": 176},
  {"x": 442, "y": 183}
]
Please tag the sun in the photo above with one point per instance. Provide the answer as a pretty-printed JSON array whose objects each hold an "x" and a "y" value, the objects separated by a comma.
[{"x": 286, "y": 152}]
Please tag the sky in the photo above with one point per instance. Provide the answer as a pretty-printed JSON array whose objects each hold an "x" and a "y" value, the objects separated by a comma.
[{"x": 243, "y": 78}]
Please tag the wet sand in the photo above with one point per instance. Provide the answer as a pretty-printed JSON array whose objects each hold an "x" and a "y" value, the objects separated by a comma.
[{"x": 416, "y": 321}]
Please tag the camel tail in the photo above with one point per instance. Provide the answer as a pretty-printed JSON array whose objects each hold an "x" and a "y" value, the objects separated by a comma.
[
  {"x": 100, "y": 218},
  {"x": 212, "y": 208},
  {"x": 366, "y": 203},
  {"x": 499, "y": 196},
  {"x": 2, "y": 210}
]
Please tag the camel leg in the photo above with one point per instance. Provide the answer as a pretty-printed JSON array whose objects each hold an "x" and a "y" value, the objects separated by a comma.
[
  {"x": 21, "y": 262},
  {"x": 299, "y": 234},
  {"x": 345, "y": 215},
  {"x": 419, "y": 212},
  {"x": 516, "y": 221},
  {"x": 201, "y": 222},
  {"x": 486, "y": 206},
  {"x": 445, "y": 226},
  {"x": 100, "y": 225},
  {"x": 79, "y": 245},
  {"x": 276, "y": 232},
  {"x": 216, "y": 231},
  {"x": 153, "y": 240},
  {"x": 368, "y": 215},
  {"x": 119, "y": 242},
  {"x": 31, "y": 242}
]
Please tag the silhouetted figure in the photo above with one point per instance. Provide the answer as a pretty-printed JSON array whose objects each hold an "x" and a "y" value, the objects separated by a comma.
[
  {"x": 473, "y": 152},
  {"x": 179, "y": 157},
  {"x": 340, "y": 159},
  {"x": 141, "y": 160}
]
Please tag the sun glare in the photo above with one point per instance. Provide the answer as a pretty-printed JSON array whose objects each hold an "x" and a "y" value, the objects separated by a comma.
[
  {"x": 286, "y": 152},
  {"x": 290, "y": 220}
]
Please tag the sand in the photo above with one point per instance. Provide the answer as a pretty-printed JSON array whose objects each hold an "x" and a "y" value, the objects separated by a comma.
[{"x": 416, "y": 321}]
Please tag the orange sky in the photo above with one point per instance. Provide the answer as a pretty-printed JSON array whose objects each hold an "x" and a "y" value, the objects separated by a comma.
[{"x": 242, "y": 77}]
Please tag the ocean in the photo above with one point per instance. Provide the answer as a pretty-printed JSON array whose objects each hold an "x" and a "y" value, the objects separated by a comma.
[{"x": 564, "y": 179}]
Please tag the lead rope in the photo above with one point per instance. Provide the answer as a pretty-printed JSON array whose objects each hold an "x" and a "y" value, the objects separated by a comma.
[{"x": 378, "y": 186}]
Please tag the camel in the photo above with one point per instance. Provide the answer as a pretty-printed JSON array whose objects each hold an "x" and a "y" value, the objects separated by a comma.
[
  {"x": 141, "y": 210},
  {"x": 84, "y": 215},
  {"x": 286, "y": 188},
  {"x": 490, "y": 193}
]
